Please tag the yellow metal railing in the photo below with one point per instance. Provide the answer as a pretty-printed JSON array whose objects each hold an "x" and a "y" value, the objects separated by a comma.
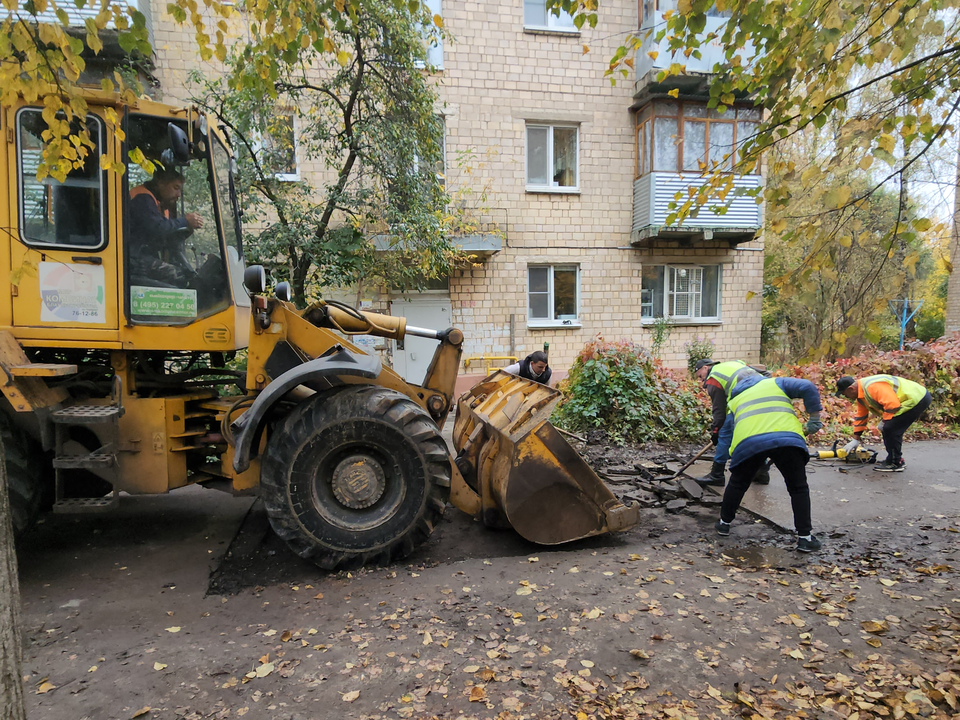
[{"x": 487, "y": 359}]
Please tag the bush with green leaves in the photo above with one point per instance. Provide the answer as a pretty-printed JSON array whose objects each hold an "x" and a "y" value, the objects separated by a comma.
[
  {"x": 698, "y": 348},
  {"x": 620, "y": 388}
]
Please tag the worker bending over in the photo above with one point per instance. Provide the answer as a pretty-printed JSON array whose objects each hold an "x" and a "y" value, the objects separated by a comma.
[
  {"x": 900, "y": 402},
  {"x": 532, "y": 367},
  {"x": 715, "y": 377},
  {"x": 765, "y": 425}
]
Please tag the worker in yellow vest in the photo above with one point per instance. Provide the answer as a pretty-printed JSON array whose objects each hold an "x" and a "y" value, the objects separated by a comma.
[
  {"x": 900, "y": 402},
  {"x": 765, "y": 425}
]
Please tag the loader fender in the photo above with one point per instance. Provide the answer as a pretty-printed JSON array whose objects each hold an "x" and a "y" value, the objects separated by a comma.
[{"x": 248, "y": 429}]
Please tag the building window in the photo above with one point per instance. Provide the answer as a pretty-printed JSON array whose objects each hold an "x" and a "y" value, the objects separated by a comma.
[
  {"x": 276, "y": 148},
  {"x": 553, "y": 158},
  {"x": 688, "y": 137},
  {"x": 432, "y": 39},
  {"x": 65, "y": 214},
  {"x": 537, "y": 17},
  {"x": 681, "y": 292},
  {"x": 553, "y": 295},
  {"x": 440, "y": 166}
]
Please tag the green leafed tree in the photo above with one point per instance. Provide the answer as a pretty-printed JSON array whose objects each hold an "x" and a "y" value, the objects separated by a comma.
[{"x": 367, "y": 124}]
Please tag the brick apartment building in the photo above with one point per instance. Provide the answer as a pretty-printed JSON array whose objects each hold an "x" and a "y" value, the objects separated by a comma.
[{"x": 578, "y": 175}]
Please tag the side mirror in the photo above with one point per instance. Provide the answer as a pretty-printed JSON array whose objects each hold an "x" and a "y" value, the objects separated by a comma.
[
  {"x": 255, "y": 279},
  {"x": 179, "y": 151},
  {"x": 283, "y": 291}
]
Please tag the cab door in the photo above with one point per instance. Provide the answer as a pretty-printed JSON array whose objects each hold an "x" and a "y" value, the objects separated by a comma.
[{"x": 63, "y": 255}]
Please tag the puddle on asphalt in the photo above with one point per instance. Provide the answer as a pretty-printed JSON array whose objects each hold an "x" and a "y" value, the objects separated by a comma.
[{"x": 759, "y": 557}]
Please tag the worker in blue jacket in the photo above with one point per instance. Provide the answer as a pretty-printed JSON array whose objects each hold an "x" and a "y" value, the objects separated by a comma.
[{"x": 765, "y": 425}]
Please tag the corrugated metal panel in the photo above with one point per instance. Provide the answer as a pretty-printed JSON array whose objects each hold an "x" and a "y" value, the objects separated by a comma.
[
  {"x": 642, "y": 192},
  {"x": 741, "y": 212}
]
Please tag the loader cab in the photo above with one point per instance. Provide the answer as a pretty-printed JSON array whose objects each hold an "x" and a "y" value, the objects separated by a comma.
[
  {"x": 104, "y": 259},
  {"x": 182, "y": 243}
]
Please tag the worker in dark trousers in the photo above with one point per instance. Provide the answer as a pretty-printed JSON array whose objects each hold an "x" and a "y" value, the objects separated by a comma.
[
  {"x": 900, "y": 402},
  {"x": 715, "y": 376},
  {"x": 765, "y": 425}
]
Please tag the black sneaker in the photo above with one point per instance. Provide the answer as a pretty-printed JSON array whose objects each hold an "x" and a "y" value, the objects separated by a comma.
[
  {"x": 808, "y": 544},
  {"x": 891, "y": 466},
  {"x": 723, "y": 528}
]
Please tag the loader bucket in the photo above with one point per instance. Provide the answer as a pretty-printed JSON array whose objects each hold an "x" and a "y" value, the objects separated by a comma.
[{"x": 524, "y": 473}]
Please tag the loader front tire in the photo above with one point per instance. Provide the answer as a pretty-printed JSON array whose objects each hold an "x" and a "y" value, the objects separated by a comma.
[
  {"x": 24, "y": 478},
  {"x": 355, "y": 476}
]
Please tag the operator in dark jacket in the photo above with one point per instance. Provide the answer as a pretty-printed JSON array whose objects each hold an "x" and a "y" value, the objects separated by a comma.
[
  {"x": 153, "y": 226},
  {"x": 720, "y": 436},
  {"x": 532, "y": 367},
  {"x": 765, "y": 425}
]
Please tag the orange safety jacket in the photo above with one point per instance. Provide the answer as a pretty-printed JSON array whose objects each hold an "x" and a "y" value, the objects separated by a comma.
[
  {"x": 882, "y": 398},
  {"x": 142, "y": 190}
]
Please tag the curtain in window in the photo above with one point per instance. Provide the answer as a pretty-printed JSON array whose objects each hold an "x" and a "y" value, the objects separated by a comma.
[{"x": 565, "y": 157}]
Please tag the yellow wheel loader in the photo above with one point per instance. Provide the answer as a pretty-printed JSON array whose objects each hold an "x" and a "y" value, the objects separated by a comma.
[{"x": 129, "y": 301}]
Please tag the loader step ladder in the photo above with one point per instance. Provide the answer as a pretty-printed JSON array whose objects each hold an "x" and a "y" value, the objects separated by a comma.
[{"x": 102, "y": 461}]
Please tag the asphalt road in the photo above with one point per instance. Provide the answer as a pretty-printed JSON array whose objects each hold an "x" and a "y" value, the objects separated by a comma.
[{"x": 173, "y": 602}]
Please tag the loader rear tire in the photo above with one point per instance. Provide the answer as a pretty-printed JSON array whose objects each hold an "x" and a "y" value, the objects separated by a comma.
[
  {"x": 24, "y": 478},
  {"x": 356, "y": 476}
]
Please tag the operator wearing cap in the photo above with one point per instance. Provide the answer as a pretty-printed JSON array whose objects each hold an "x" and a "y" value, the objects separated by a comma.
[
  {"x": 715, "y": 377},
  {"x": 900, "y": 402}
]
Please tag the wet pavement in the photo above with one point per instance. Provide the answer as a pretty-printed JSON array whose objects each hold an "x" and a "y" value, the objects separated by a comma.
[
  {"x": 844, "y": 495},
  {"x": 187, "y": 606}
]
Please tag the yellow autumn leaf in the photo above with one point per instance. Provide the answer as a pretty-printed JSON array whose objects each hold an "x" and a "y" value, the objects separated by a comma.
[
  {"x": 158, "y": 666},
  {"x": 874, "y": 642},
  {"x": 350, "y": 696},
  {"x": 427, "y": 638},
  {"x": 471, "y": 668},
  {"x": 477, "y": 694},
  {"x": 888, "y": 583},
  {"x": 872, "y": 626},
  {"x": 141, "y": 712},
  {"x": 593, "y": 614},
  {"x": 264, "y": 670},
  {"x": 674, "y": 93},
  {"x": 438, "y": 21},
  {"x": 778, "y": 226},
  {"x": 586, "y": 663},
  {"x": 796, "y": 654},
  {"x": 887, "y": 142},
  {"x": 750, "y": 296},
  {"x": 45, "y": 688},
  {"x": 653, "y": 54},
  {"x": 343, "y": 57},
  {"x": 286, "y": 636}
]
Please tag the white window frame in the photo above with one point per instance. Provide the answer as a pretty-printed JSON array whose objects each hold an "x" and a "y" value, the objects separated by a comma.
[
  {"x": 669, "y": 297},
  {"x": 552, "y": 187},
  {"x": 551, "y": 322},
  {"x": 434, "y": 49},
  {"x": 257, "y": 145},
  {"x": 552, "y": 21}
]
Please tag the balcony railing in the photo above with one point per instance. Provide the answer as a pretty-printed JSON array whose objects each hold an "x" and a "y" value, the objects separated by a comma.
[
  {"x": 697, "y": 69},
  {"x": 652, "y": 194}
]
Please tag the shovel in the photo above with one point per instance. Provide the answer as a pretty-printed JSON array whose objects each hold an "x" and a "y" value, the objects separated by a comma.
[{"x": 690, "y": 462}]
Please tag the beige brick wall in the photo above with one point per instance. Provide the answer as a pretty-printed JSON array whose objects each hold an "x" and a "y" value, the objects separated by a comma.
[{"x": 497, "y": 77}]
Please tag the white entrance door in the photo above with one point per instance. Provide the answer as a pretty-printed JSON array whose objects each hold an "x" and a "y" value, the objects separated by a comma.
[{"x": 412, "y": 356}]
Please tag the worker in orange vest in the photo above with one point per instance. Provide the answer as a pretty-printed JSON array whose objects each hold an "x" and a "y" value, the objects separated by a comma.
[
  {"x": 899, "y": 401},
  {"x": 157, "y": 233}
]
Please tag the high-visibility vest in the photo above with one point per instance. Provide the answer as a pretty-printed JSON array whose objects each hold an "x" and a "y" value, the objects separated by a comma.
[
  {"x": 763, "y": 408},
  {"x": 908, "y": 393},
  {"x": 729, "y": 373},
  {"x": 142, "y": 190}
]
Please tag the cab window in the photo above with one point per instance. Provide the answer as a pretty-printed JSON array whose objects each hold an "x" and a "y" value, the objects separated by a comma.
[
  {"x": 176, "y": 271},
  {"x": 66, "y": 214}
]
